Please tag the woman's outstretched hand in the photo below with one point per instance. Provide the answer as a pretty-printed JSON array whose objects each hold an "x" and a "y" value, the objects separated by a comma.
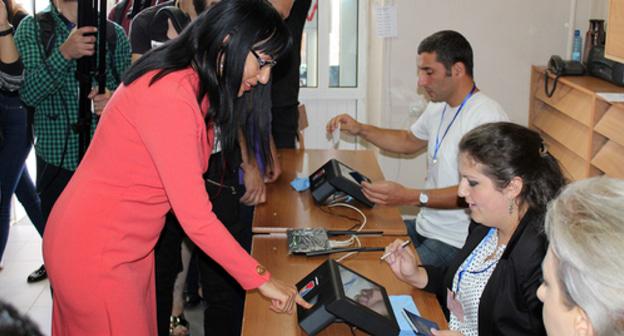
[{"x": 283, "y": 297}]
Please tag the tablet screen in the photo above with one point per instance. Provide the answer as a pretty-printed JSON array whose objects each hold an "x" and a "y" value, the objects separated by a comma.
[
  {"x": 347, "y": 173},
  {"x": 363, "y": 291}
]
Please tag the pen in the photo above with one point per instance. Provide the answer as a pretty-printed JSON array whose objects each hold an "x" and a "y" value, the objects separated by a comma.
[{"x": 403, "y": 244}]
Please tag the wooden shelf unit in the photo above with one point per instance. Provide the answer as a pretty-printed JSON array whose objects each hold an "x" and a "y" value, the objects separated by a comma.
[
  {"x": 614, "y": 49},
  {"x": 583, "y": 131}
]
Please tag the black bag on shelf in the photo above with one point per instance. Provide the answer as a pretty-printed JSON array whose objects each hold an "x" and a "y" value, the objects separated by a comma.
[{"x": 601, "y": 67}]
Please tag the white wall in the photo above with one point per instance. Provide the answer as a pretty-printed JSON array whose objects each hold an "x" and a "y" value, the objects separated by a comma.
[{"x": 507, "y": 38}]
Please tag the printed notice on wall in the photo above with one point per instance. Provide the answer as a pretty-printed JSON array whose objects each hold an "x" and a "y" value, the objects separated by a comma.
[{"x": 386, "y": 17}]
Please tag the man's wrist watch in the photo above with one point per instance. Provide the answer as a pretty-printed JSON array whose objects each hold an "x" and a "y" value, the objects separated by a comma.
[
  {"x": 7, "y": 31},
  {"x": 423, "y": 199}
]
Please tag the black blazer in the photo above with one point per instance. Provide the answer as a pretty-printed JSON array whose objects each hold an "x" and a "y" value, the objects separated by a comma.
[{"x": 509, "y": 303}]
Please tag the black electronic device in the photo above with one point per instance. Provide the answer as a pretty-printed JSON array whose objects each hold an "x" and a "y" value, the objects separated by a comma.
[
  {"x": 601, "y": 67},
  {"x": 558, "y": 67},
  {"x": 420, "y": 326},
  {"x": 315, "y": 241},
  {"x": 335, "y": 181},
  {"x": 341, "y": 294}
]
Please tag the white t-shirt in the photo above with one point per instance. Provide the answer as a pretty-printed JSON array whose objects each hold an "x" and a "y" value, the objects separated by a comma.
[{"x": 449, "y": 226}]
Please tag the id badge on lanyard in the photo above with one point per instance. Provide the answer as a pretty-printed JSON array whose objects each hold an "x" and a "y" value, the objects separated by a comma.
[
  {"x": 454, "y": 305},
  {"x": 438, "y": 139},
  {"x": 432, "y": 172},
  {"x": 453, "y": 298}
]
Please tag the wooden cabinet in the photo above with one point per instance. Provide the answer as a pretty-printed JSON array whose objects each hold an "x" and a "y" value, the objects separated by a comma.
[
  {"x": 615, "y": 31},
  {"x": 583, "y": 131}
]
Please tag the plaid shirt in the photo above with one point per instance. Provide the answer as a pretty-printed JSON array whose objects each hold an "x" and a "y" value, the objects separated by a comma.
[{"x": 51, "y": 88}]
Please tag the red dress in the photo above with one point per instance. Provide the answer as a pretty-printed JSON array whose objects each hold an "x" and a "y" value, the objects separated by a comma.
[{"x": 146, "y": 157}]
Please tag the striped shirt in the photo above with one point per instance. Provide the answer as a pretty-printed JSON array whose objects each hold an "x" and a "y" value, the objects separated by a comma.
[
  {"x": 11, "y": 76},
  {"x": 51, "y": 87}
]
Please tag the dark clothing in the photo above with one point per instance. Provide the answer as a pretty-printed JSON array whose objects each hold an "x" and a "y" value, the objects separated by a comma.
[
  {"x": 145, "y": 29},
  {"x": 14, "y": 148},
  {"x": 26, "y": 194},
  {"x": 12, "y": 75},
  {"x": 119, "y": 14},
  {"x": 509, "y": 303},
  {"x": 285, "y": 126},
  {"x": 285, "y": 81},
  {"x": 125, "y": 11},
  {"x": 17, "y": 18},
  {"x": 223, "y": 296},
  {"x": 168, "y": 264},
  {"x": 14, "y": 177},
  {"x": 51, "y": 180},
  {"x": 11, "y": 78}
]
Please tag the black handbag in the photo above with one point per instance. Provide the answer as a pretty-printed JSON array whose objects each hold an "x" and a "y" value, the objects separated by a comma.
[{"x": 599, "y": 66}]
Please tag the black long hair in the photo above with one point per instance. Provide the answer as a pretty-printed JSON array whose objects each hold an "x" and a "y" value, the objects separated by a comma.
[
  {"x": 216, "y": 44},
  {"x": 507, "y": 150},
  {"x": 450, "y": 47}
]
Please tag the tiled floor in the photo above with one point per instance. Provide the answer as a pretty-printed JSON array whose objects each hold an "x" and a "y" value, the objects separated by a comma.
[{"x": 21, "y": 257}]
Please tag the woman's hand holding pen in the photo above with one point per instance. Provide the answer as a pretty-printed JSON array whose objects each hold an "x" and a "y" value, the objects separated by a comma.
[{"x": 403, "y": 263}]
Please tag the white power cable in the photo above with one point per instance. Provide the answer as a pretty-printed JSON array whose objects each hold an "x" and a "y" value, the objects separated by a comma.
[
  {"x": 364, "y": 219},
  {"x": 353, "y": 238},
  {"x": 359, "y": 244}
]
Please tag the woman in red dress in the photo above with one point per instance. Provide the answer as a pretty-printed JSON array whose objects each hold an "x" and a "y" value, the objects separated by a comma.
[{"x": 147, "y": 156}]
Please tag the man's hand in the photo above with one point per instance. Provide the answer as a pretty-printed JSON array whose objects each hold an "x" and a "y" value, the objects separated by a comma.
[
  {"x": 346, "y": 123},
  {"x": 99, "y": 100},
  {"x": 385, "y": 193},
  {"x": 254, "y": 185},
  {"x": 78, "y": 44}
]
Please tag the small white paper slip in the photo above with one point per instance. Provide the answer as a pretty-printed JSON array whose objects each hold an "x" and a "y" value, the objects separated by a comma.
[
  {"x": 336, "y": 136},
  {"x": 386, "y": 19},
  {"x": 612, "y": 97}
]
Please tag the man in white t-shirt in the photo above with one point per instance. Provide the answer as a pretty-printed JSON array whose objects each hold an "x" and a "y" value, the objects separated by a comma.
[{"x": 457, "y": 106}]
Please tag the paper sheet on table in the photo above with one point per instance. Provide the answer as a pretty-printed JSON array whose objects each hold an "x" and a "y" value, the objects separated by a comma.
[
  {"x": 398, "y": 302},
  {"x": 612, "y": 97}
]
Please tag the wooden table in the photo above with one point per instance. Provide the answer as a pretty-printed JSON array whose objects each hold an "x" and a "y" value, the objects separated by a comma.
[
  {"x": 286, "y": 208},
  {"x": 272, "y": 251}
]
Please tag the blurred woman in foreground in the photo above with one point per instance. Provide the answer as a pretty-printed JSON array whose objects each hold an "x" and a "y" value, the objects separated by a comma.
[{"x": 583, "y": 288}]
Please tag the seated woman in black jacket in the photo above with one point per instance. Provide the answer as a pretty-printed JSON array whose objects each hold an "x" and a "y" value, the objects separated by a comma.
[{"x": 507, "y": 179}]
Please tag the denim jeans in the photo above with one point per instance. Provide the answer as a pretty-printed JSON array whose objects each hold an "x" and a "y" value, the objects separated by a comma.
[
  {"x": 14, "y": 177},
  {"x": 431, "y": 251}
]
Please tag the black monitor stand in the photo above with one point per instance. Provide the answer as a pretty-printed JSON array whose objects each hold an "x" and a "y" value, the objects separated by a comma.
[
  {"x": 340, "y": 294},
  {"x": 334, "y": 180}
]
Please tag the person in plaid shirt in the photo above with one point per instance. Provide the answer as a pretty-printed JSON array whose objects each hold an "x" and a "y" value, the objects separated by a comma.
[{"x": 51, "y": 88}]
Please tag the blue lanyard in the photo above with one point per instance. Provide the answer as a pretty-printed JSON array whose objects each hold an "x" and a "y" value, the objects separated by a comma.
[
  {"x": 438, "y": 141},
  {"x": 471, "y": 258}
]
